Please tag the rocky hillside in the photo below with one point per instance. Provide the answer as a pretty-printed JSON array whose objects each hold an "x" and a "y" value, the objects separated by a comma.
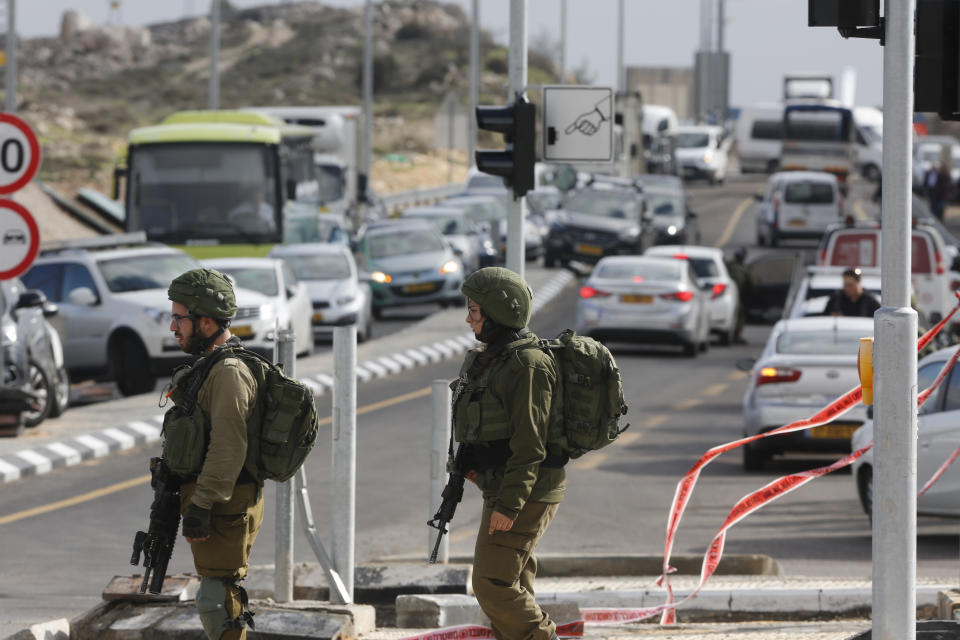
[{"x": 85, "y": 89}]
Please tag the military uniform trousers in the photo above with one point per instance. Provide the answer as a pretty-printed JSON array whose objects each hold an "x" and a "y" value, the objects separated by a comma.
[
  {"x": 226, "y": 553},
  {"x": 504, "y": 567}
]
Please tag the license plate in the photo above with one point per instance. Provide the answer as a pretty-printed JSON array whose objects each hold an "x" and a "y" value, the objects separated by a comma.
[
  {"x": 589, "y": 249},
  {"x": 420, "y": 287},
  {"x": 242, "y": 331},
  {"x": 318, "y": 317},
  {"x": 833, "y": 431},
  {"x": 630, "y": 297},
  {"x": 797, "y": 223}
]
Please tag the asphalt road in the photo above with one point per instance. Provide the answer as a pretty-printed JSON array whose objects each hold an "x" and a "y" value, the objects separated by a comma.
[{"x": 66, "y": 533}]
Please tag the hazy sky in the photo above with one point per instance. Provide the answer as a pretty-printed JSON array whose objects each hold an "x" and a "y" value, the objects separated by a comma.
[{"x": 766, "y": 38}]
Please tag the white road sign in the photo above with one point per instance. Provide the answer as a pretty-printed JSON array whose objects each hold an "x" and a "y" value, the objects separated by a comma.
[
  {"x": 19, "y": 239},
  {"x": 577, "y": 124},
  {"x": 19, "y": 153}
]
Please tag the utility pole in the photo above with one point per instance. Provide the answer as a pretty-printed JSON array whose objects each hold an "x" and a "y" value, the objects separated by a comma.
[
  {"x": 10, "y": 103},
  {"x": 213, "y": 94},
  {"x": 721, "y": 24},
  {"x": 895, "y": 358},
  {"x": 621, "y": 72},
  {"x": 474, "y": 81},
  {"x": 563, "y": 41},
  {"x": 518, "y": 83},
  {"x": 367, "y": 90}
]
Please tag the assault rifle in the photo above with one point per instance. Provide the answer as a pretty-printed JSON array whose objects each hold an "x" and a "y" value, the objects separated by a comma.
[
  {"x": 156, "y": 544},
  {"x": 452, "y": 495}
]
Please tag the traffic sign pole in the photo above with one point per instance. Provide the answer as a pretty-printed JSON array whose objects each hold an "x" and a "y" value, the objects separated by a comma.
[
  {"x": 518, "y": 83},
  {"x": 10, "y": 102}
]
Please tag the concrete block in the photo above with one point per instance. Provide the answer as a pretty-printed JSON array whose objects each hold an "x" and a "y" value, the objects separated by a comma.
[
  {"x": 948, "y": 602},
  {"x": 177, "y": 588},
  {"x": 766, "y": 600},
  {"x": 845, "y": 599},
  {"x": 449, "y": 610},
  {"x": 52, "y": 630}
]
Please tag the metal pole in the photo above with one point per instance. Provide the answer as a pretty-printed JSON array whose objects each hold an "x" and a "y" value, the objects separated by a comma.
[
  {"x": 518, "y": 83},
  {"x": 213, "y": 94},
  {"x": 563, "y": 41},
  {"x": 344, "y": 453},
  {"x": 10, "y": 103},
  {"x": 439, "y": 450},
  {"x": 721, "y": 23},
  {"x": 451, "y": 132},
  {"x": 895, "y": 389},
  {"x": 621, "y": 77},
  {"x": 474, "y": 82},
  {"x": 367, "y": 90},
  {"x": 283, "y": 545}
]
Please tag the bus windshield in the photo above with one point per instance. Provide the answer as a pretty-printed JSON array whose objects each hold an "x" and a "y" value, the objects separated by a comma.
[{"x": 225, "y": 192}]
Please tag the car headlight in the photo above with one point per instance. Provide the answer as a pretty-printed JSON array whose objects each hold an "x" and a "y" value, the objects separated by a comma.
[
  {"x": 708, "y": 157},
  {"x": 160, "y": 316},
  {"x": 345, "y": 300},
  {"x": 380, "y": 277},
  {"x": 450, "y": 266},
  {"x": 672, "y": 230}
]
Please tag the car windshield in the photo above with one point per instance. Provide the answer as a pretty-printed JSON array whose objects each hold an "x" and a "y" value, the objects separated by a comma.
[
  {"x": 665, "y": 204},
  {"x": 704, "y": 267},
  {"x": 447, "y": 225},
  {"x": 826, "y": 342},
  {"x": 815, "y": 302},
  {"x": 600, "y": 203},
  {"x": 809, "y": 193},
  {"x": 399, "y": 243},
  {"x": 260, "y": 279},
  {"x": 640, "y": 271},
  {"x": 136, "y": 273},
  {"x": 691, "y": 140},
  {"x": 544, "y": 201},
  {"x": 933, "y": 153},
  {"x": 318, "y": 267},
  {"x": 330, "y": 178}
]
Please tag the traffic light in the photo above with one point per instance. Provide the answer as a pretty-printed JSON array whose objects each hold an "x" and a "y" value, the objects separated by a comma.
[
  {"x": 935, "y": 82},
  {"x": 517, "y": 123},
  {"x": 845, "y": 14}
]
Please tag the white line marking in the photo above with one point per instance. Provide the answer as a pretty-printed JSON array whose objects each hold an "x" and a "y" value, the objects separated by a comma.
[
  {"x": 126, "y": 440},
  {"x": 10, "y": 471},
  {"x": 150, "y": 432},
  {"x": 100, "y": 448},
  {"x": 70, "y": 455},
  {"x": 42, "y": 463}
]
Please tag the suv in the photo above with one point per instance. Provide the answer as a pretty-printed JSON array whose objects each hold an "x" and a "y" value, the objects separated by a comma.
[
  {"x": 114, "y": 313},
  {"x": 32, "y": 356}
]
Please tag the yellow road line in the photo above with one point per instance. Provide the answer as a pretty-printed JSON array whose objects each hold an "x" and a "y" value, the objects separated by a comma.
[
  {"x": 714, "y": 389},
  {"x": 71, "y": 502},
  {"x": 732, "y": 223},
  {"x": 737, "y": 375},
  {"x": 128, "y": 484},
  {"x": 689, "y": 403},
  {"x": 655, "y": 421},
  {"x": 628, "y": 438},
  {"x": 591, "y": 461},
  {"x": 858, "y": 209}
]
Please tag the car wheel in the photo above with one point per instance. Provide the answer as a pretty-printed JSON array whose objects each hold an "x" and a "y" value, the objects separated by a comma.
[
  {"x": 378, "y": 313},
  {"x": 61, "y": 396},
  {"x": 690, "y": 349},
  {"x": 872, "y": 173},
  {"x": 39, "y": 384},
  {"x": 752, "y": 459},
  {"x": 130, "y": 370},
  {"x": 726, "y": 338},
  {"x": 549, "y": 261},
  {"x": 774, "y": 239},
  {"x": 865, "y": 489}
]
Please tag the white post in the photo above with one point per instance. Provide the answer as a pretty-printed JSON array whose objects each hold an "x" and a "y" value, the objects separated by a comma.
[
  {"x": 518, "y": 82},
  {"x": 563, "y": 41},
  {"x": 344, "y": 453},
  {"x": 283, "y": 545},
  {"x": 10, "y": 103},
  {"x": 895, "y": 388},
  {"x": 439, "y": 449},
  {"x": 213, "y": 93},
  {"x": 367, "y": 92},
  {"x": 474, "y": 83},
  {"x": 621, "y": 75}
]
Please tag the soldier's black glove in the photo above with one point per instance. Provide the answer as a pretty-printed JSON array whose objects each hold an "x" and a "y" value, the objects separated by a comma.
[{"x": 196, "y": 523}]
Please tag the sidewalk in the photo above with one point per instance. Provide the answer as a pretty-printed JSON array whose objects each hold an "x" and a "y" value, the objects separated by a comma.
[{"x": 98, "y": 430}]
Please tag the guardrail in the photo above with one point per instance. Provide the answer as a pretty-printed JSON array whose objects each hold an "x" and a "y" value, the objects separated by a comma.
[{"x": 399, "y": 201}]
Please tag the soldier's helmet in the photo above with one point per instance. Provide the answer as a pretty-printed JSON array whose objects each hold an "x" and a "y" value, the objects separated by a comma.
[
  {"x": 503, "y": 295},
  {"x": 204, "y": 292}
]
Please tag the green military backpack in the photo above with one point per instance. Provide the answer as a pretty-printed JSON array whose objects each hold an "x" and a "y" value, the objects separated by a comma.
[
  {"x": 281, "y": 430},
  {"x": 591, "y": 394}
]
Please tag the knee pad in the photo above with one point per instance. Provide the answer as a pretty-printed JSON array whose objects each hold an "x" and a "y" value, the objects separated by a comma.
[{"x": 212, "y": 607}]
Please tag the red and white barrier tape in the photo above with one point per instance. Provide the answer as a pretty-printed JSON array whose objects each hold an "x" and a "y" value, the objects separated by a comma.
[{"x": 479, "y": 632}]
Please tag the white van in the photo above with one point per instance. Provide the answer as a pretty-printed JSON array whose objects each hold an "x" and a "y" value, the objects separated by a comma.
[
  {"x": 798, "y": 204},
  {"x": 701, "y": 152},
  {"x": 758, "y": 132}
]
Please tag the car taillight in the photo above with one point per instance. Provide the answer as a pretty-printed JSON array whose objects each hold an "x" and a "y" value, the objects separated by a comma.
[
  {"x": 590, "y": 292},
  {"x": 681, "y": 256},
  {"x": 682, "y": 296},
  {"x": 718, "y": 289},
  {"x": 823, "y": 256},
  {"x": 939, "y": 260},
  {"x": 769, "y": 375}
]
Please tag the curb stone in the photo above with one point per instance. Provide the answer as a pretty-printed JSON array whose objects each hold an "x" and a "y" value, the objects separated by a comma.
[{"x": 56, "y": 455}]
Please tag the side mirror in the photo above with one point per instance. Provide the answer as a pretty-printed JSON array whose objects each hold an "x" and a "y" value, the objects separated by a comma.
[
  {"x": 291, "y": 291},
  {"x": 746, "y": 364},
  {"x": 82, "y": 296},
  {"x": 50, "y": 310},
  {"x": 692, "y": 215},
  {"x": 457, "y": 251},
  {"x": 31, "y": 299}
]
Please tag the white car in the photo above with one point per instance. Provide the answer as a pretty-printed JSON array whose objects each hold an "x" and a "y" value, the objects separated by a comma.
[
  {"x": 114, "y": 315},
  {"x": 645, "y": 299},
  {"x": 330, "y": 274},
  {"x": 809, "y": 296},
  {"x": 708, "y": 265},
  {"x": 701, "y": 152},
  {"x": 806, "y": 364},
  {"x": 798, "y": 204},
  {"x": 262, "y": 283},
  {"x": 938, "y": 436}
]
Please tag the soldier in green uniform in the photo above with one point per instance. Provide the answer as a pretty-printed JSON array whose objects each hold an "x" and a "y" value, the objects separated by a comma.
[
  {"x": 741, "y": 275},
  {"x": 502, "y": 408},
  {"x": 222, "y": 505}
]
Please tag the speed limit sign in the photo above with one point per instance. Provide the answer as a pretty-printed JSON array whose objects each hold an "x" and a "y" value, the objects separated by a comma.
[{"x": 19, "y": 153}]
